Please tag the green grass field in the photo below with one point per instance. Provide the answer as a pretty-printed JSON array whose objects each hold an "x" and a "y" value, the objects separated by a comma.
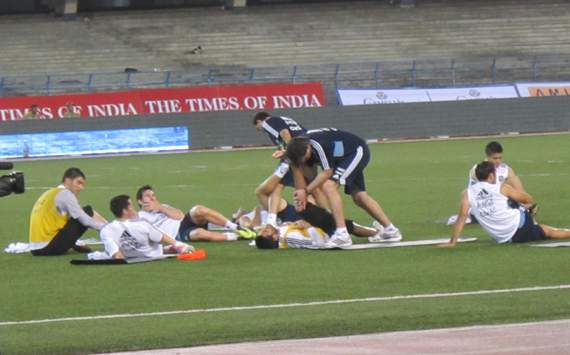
[{"x": 417, "y": 183}]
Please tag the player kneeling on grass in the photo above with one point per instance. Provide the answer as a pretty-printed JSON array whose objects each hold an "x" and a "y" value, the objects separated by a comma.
[
  {"x": 191, "y": 226},
  {"x": 489, "y": 203},
  {"x": 130, "y": 237},
  {"x": 312, "y": 231}
]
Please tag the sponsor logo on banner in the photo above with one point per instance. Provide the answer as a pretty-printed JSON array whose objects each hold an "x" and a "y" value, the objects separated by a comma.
[
  {"x": 544, "y": 89},
  {"x": 164, "y": 101},
  {"x": 369, "y": 97}
]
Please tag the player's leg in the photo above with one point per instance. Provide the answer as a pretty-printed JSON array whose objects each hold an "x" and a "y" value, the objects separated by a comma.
[
  {"x": 275, "y": 204},
  {"x": 555, "y": 233},
  {"x": 264, "y": 190},
  {"x": 340, "y": 237},
  {"x": 202, "y": 215},
  {"x": 204, "y": 235},
  {"x": 66, "y": 238},
  {"x": 363, "y": 200}
]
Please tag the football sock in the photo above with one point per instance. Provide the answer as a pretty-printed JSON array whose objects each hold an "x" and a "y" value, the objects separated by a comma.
[
  {"x": 272, "y": 219},
  {"x": 230, "y": 225},
  {"x": 231, "y": 236}
]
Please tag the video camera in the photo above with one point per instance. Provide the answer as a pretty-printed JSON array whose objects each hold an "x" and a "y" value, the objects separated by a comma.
[{"x": 13, "y": 182}]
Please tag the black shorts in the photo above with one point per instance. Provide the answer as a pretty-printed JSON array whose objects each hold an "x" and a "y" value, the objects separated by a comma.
[
  {"x": 529, "y": 232},
  {"x": 321, "y": 218},
  {"x": 186, "y": 227},
  {"x": 350, "y": 171}
]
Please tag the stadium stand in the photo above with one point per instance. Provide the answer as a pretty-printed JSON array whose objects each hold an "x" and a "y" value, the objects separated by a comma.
[{"x": 377, "y": 44}]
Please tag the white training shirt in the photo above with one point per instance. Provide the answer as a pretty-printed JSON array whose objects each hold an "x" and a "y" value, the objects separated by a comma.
[
  {"x": 167, "y": 225},
  {"x": 501, "y": 173},
  {"x": 492, "y": 211},
  {"x": 134, "y": 238},
  {"x": 292, "y": 237}
]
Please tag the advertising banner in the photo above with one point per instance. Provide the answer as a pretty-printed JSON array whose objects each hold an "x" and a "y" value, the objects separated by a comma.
[
  {"x": 175, "y": 100},
  {"x": 389, "y": 96},
  {"x": 544, "y": 89},
  {"x": 129, "y": 140}
]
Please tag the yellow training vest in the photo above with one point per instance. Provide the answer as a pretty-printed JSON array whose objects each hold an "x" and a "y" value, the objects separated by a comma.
[{"x": 45, "y": 220}]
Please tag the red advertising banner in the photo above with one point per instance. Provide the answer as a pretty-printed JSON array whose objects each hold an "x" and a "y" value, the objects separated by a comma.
[{"x": 161, "y": 101}]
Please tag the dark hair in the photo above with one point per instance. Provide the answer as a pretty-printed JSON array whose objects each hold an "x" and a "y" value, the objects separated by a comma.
[
  {"x": 260, "y": 116},
  {"x": 493, "y": 148},
  {"x": 296, "y": 149},
  {"x": 118, "y": 204},
  {"x": 484, "y": 169},
  {"x": 262, "y": 242},
  {"x": 141, "y": 191},
  {"x": 72, "y": 173}
]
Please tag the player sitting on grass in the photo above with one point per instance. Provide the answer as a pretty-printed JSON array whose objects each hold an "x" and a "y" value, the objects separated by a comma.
[
  {"x": 130, "y": 237},
  {"x": 190, "y": 226},
  {"x": 343, "y": 157},
  {"x": 57, "y": 220},
  {"x": 504, "y": 174},
  {"x": 312, "y": 231},
  {"x": 489, "y": 203}
]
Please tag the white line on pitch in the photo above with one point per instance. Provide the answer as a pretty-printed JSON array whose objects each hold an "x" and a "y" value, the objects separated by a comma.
[{"x": 292, "y": 305}]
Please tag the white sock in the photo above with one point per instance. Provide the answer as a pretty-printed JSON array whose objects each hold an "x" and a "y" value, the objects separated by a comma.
[
  {"x": 341, "y": 231},
  {"x": 230, "y": 225},
  {"x": 272, "y": 219},
  {"x": 390, "y": 228},
  {"x": 231, "y": 236}
]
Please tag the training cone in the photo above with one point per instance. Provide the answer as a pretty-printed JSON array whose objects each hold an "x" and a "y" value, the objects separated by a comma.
[{"x": 195, "y": 255}]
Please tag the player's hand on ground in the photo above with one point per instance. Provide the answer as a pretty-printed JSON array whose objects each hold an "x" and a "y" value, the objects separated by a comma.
[
  {"x": 300, "y": 197},
  {"x": 278, "y": 154}
]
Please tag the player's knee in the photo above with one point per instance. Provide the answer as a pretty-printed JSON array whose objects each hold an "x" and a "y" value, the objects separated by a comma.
[
  {"x": 260, "y": 190},
  {"x": 359, "y": 198},
  {"x": 198, "y": 234},
  {"x": 198, "y": 212},
  {"x": 329, "y": 186}
]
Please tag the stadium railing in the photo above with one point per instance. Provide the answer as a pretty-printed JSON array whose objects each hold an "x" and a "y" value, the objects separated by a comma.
[{"x": 386, "y": 74}]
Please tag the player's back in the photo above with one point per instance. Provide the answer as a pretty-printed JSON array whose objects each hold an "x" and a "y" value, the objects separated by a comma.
[
  {"x": 334, "y": 142},
  {"x": 275, "y": 124}
]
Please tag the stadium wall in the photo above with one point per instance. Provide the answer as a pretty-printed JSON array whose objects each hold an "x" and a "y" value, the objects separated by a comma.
[{"x": 411, "y": 120}]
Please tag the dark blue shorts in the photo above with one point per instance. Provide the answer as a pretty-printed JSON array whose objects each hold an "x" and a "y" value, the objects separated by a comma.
[
  {"x": 528, "y": 232},
  {"x": 350, "y": 170},
  {"x": 186, "y": 227}
]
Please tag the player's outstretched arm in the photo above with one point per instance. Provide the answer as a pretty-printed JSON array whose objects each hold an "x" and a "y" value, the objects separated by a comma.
[{"x": 460, "y": 223}]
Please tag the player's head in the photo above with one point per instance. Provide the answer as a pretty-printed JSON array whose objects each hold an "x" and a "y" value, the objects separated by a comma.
[
  {"x": 74, "y": 180},
  {"x": 298, "y": 150},
  {"x": 122, "y": 207},
  {"x": 494, "y": 152},
  {"x": 268, "y": 238},
  {"x": 145, "y": 194},
  {"x": 484, "y": 170},
  {"x": 259, "y": 118}
]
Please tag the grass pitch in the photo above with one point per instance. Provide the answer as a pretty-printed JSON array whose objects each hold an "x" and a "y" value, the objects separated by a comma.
[{"x": 418, "y": 184}]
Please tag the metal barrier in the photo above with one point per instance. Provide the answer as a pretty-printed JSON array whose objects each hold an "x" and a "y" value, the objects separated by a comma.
[{"x": 387, "y": 74}]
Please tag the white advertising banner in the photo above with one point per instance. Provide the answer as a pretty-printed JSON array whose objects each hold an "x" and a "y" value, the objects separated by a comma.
[
  {"x": 389, "y": 96},
  {"x": 544, "y": 89}
]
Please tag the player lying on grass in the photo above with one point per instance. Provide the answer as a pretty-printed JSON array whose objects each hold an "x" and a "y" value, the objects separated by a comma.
[
  {"x": 343, "y": 157},
  {"x": 504, "y": 174},
  {"x": 312, "y": 231},
  {"x": 489, "y": 203},
  {"x": 130, "y": 237},
  {"x": 57, "y": 220},
  {"x": 190, "y": 226}
]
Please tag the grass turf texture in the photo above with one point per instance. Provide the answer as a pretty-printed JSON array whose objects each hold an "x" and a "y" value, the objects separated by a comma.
[{"x": 417, "y": 183}]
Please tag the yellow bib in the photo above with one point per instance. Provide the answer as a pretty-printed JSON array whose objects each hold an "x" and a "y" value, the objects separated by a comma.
[{"x": 45, "y": 220}]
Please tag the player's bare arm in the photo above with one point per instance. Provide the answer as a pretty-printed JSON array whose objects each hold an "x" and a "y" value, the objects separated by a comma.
[
  {"x": 460, "y": 223},
  {"x": 516, "y": 195}
]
